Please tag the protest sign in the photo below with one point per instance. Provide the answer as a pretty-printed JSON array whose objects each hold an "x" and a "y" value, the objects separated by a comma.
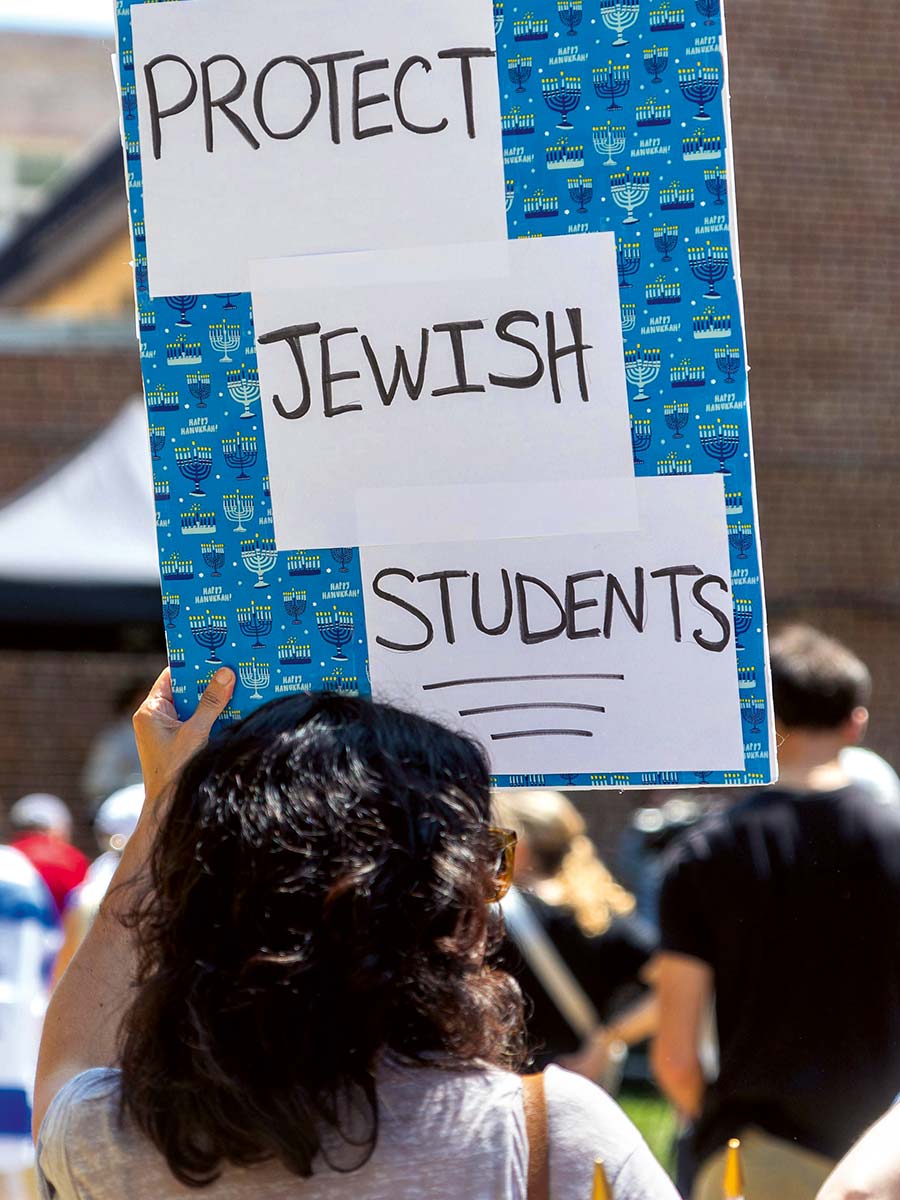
[
  {"x": 416, "y": 365},
  {"x": 614, "y": 123}
]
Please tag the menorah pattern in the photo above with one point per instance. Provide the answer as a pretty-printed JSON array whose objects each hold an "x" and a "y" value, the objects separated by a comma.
[{"x": 586, "y": 89}]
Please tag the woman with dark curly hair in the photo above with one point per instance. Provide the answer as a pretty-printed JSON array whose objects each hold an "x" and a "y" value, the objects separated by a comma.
[{"x": 287, "y": 993}]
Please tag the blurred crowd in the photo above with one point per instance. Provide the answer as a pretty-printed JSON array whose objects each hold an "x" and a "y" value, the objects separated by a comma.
[{"x": 740, "y": 956}]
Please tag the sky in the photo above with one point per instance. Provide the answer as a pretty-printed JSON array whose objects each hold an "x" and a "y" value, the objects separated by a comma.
[{"x": 81, "y": 16}]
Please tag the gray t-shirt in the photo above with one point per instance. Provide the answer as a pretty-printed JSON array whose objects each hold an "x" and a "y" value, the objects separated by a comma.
[{"x": 442, "y": 1136}]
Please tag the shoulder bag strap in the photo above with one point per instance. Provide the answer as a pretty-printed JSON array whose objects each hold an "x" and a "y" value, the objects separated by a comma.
[{"x": 537, "y": 1130}]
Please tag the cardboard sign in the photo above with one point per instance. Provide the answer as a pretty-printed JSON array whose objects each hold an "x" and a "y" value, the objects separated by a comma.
[
  {"x": 516, "y": 550},
  {"x": 271, "y": 128},
  {"x": 415, "y": 367}
]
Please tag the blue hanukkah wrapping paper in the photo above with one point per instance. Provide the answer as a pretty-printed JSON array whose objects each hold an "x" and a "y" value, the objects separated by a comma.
[{"x": 614, "y": 118}]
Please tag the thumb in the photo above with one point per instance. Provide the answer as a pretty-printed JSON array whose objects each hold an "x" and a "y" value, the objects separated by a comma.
[{"x": 213, "y": 702}]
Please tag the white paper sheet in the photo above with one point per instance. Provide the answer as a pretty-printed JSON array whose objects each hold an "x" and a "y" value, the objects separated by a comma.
[
  {"x": 552, "y": 456},
  {"x": 656, "y": 700},
  {"x": 209, "y": 213}
]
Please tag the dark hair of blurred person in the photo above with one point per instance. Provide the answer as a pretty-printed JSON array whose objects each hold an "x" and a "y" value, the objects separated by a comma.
[
  {"x": 306, "y": 920},
  {"x": 43, "y": 827},
  {"x": 816, "y": 682}
]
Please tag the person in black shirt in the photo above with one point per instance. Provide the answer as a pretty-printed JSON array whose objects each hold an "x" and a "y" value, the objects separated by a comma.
[
  {"x": 784, "y": 908},
  {"x": 589, "y": 920}
]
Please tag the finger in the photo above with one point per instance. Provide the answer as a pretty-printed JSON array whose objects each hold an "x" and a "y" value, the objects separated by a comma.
[
  {"x": 213, "y": 701},
  {"x": 159, "y": 694}
]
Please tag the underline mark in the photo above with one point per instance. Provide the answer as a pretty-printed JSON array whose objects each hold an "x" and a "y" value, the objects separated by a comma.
[
  {"x": 492, "y": 708},
  {"x": 447, "y": 683},
  {"x": 527, "y": 733}
]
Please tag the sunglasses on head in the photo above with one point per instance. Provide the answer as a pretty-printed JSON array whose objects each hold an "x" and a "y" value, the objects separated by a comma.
[{"x": 503, "y": 845}]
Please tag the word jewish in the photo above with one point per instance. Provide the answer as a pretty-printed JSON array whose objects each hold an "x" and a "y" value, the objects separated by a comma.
[
  {"x": 223, "y": 82},
  {"x": 443, "y": 600},
  {"x": 414, "y": 381}
]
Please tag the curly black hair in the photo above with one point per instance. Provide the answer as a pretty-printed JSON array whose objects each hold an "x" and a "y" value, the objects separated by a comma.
[{"x": 316, "y": 897}]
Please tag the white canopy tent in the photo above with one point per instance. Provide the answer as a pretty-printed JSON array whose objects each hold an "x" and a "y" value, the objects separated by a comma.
[{"x": 78, "y": 547}]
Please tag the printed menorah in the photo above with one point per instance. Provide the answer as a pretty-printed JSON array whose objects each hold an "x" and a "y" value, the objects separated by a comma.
[
  {"x": 740, "y": 538},
  {"x": 619, "y": 15},
  {"x": 337, "y": 681},
  {"x": 294, "y": 653},
  {"x": 676, "y": 197},
  {"x": 656, "y": 59},
  {"x": 210, "y": 632},
  {"x": 146, "y": 319},
  {"x": 255, "y": 622},
  {"x": 304, "y": 564},
  {"x": 609, "y": 139},
  {"x": 214, "y": 556},
  {"x": 255, "y": 675},
  {"x": 699, "y": 84},
  {"x": 519, "y": 70},
  {"x": 174, "y": 567},
  {"x": 642, "y": 365},
  {"x": 673, "y": 465},
  {"x": 129, "y": 102},
  {"x": 171, "y": 607},
  {"x": 734, "y": 503},
  {"x": 628, "y": 260},
  {"x": 581, "y": 192},
  {"x": 200, "y": 386},
  {"x": 336, "y": 628},
  {"x": 708, "y": 9},
  {"x": 224, "y": 338},
  {"x": 746, "y": 677},
  {"x": 510, "y": 193},
  {"x": 294, "y": 605},
  {"x": 665, "y": 239},
  {"x": 498, "y": 15},
  {"x": 177, "y": 658},
  {"x": 195, "y": 464},
  {"x": 629, "y": 317},
  {"x": 240, "y": 452},
  {"x": 612, "y": 83},
  {"x": 720, "y": 441},
  {"x": 709, "y": 264},
  {"x": 663, "y": 291},
  {"x": 182, "y": 305},
  {"x": 157, "y": 440},
  {"x": 752, "y": 713},
  {"x": 243, "y": 387},
  {"x": 717, "y": 183},
  {"x": 162, "y": 489},
  {"x": 562, "y": 94},
  {"x": 227, "y": 297},
  {"x": 728, "y": 359},
  {"x": 343, "y": 556},
  {"x": 641, "y": 437},
  {"x": 259, "y": 556},
  {"x": 743, "y": 617},
  {"x": 677, "y": 416},
  {"x": 629, "y": 191},
  {"x": 687, "y": 374},
  {"x": 238, "y": 508},
  {"x": 570, "y": 13}
]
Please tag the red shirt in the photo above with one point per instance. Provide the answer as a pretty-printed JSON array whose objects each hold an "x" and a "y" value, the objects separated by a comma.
[{"x": 60, "y": 865}]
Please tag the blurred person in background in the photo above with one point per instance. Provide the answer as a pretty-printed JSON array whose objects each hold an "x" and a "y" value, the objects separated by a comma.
[
  {"x": 43, "y": 829},
  {"x": 115, "y": 822},
  {"x": 872, "y": 773},
  {"x": 112, "y": 761},
  {"x": 784, "y": 909},
  {"x": 28, "y": 939},
  {"x": 285, "y": 992},
  {"x": 574, "y": 943}
]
